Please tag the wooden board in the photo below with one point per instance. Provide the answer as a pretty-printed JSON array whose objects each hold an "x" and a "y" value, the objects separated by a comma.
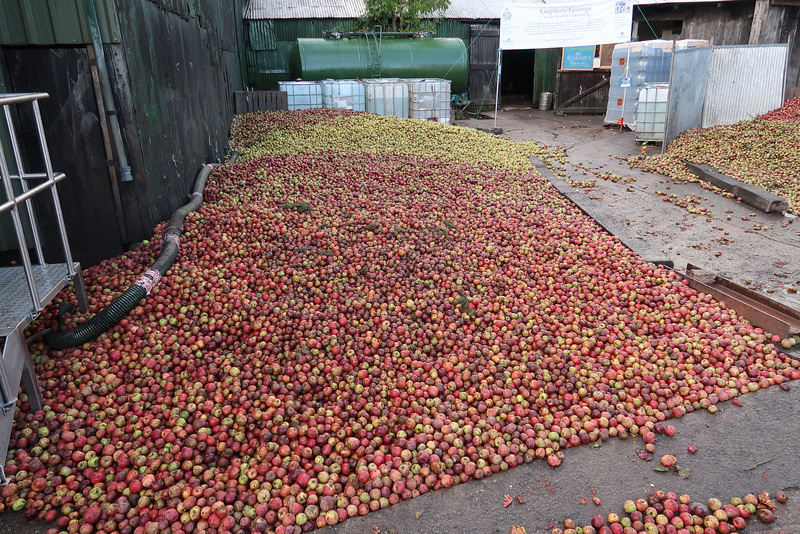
[
  {"x": 572, "y": 83},
  {"x": 577, "y": 57},
  {"x": 605, "y": 55}
]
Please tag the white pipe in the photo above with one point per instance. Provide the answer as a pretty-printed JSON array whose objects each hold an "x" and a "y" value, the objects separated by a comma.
[{"x": 497, "y": 89}]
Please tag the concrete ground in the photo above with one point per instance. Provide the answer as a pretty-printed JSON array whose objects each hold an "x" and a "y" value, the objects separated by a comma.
[{"x": 740, "y": 450}]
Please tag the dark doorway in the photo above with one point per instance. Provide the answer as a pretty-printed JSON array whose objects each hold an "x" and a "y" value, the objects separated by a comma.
[
  {"x": 658, "y": 29},
  {"x": 516, "y": 79}
]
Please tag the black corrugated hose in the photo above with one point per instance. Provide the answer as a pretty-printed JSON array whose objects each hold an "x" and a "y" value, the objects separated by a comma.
[{"x": 123, "y": 304}]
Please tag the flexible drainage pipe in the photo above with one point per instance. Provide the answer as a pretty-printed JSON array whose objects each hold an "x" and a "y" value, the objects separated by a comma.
[{"x": 123, "y": 304}]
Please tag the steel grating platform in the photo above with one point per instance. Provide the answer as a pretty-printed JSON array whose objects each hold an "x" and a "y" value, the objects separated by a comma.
[{"x": 16, "y": 307}]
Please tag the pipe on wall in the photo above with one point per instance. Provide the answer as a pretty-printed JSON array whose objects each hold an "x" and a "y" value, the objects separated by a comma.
[{"x": 108, "y": 97}]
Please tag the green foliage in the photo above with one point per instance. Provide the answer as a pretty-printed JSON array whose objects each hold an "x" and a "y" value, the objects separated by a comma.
[{"x": 403, "y": 15}]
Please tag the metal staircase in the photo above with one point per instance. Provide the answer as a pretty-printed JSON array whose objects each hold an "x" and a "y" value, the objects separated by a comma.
[{"x": 27, "y": 288}]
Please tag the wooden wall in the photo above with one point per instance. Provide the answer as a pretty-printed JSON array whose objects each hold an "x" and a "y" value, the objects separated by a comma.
[
  {"x": 483, "y": 64},
  {"x": 570, "y": 84},
  {"x": 728, "y": 24},
  {"x": 732, "y": 23},
  {"x": 177, "y": 67},
  {"x": 72, "y": 128},
  {"x": 173, "y": 76}
]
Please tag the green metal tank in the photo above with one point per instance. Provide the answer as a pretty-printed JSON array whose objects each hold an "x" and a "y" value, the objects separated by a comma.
[{"x": 320, "y": 59}]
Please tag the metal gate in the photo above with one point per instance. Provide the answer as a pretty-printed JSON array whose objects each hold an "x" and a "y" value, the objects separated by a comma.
[
  {"x": 744, "y": 82},
  {"x": 687, "y": 91}
]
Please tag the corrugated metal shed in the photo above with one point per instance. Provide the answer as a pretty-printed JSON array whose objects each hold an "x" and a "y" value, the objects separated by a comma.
[
  {"x": 458, "y": 9},
  {"x": 262, "y": 35},
  {"x": 54, "y": 22},
  {"x": 744, "y": 82},
  {"x": 452, "y": 28}
]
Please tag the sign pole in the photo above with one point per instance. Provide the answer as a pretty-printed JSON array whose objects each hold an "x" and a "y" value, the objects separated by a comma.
[{"x": 497, "y": 89}]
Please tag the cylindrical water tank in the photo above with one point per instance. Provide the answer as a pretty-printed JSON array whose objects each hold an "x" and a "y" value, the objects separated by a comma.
[{"x": 319, "y": 59}]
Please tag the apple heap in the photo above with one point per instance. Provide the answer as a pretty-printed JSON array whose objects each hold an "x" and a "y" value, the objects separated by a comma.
[
  {"x": 789, "y": 112},
  {"x": 364, "y": 309},
  {"x": 668, "y": 513},
  {"x": 764, "y": 152}
]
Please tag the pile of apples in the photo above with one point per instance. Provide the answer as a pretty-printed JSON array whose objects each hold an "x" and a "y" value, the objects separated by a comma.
[
  {"x": 364, "y": 309},
  {"x": 668, "y": 513}
]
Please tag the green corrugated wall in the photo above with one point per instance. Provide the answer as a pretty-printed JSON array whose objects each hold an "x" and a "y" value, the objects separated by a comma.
[
  {"x": 54, "y": 22},
  {"x": 269, "y": 43},
  {"x": 545, "y": 65},
  {"x": 453, "y": 28}
]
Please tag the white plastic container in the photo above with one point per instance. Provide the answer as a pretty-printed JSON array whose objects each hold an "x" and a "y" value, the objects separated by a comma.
[
  {"x": 633, "y": 65},
  {"x": 302, "y": 95},
  {"x": 387, "y": 96},
  {"x": 343, "y": 94},
  {"x": 651, "y": 112},
  {"x": 429, "y": 99}
]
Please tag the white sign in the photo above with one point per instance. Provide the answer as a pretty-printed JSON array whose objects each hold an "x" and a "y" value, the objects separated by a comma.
[{"x": 590, "y": 22}]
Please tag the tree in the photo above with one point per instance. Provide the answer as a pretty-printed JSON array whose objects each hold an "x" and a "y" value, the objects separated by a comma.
[{"x": 404, "y": 15}]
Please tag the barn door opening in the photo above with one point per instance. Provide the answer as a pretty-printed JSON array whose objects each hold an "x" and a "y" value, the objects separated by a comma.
[{"x": 516, "y": 79}]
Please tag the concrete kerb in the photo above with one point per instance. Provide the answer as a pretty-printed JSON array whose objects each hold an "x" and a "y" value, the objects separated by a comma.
[
  {"x": 590, "y": 208},
  {"x": 750, "y": 194}
]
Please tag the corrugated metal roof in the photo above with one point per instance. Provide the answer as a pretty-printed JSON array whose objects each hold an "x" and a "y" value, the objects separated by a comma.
[
  {"x": 347, "y": 9},
  {"x": 485, "y": 9},
  {"x": 303, "y": 9},
  {"x": 316, "y": 9}
]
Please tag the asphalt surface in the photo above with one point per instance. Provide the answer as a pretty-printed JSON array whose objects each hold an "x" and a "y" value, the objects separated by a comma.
[{"x": 740, "y": 450}]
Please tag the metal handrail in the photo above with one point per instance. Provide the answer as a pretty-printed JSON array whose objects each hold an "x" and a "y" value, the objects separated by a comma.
[
  {"x": 62, "y": 229},
  {"x": 21, "y": 98},
  {"x": 14, "y": 200},
  {"x": 37, "y": 241},
  {"x": 31, "y": 192},
  {"x": 29, "y": 176}
]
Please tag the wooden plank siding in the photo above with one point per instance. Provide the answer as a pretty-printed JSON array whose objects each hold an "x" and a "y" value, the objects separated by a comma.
[
  {"x": 72, "y": 128},
  {"x": 483, "y": 64},
  {"x": 571, "y": 83},
  {"x": 249, "y": 101}
]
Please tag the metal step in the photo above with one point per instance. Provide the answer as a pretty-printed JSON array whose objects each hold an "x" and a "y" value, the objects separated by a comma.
[
  {"x": 16, "y": 366},
  {"x": 374, "y": 45},
  {"x": 27, "y": 288}
]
